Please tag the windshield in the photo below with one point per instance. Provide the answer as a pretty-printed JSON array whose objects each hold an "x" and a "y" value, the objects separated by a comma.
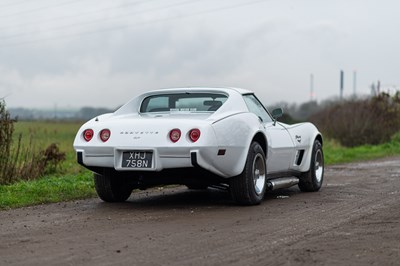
[{"x": 183, "y": 102}]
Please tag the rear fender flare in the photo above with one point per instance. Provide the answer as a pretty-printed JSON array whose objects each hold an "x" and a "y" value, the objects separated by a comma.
[{"x": 235, "y": 134}]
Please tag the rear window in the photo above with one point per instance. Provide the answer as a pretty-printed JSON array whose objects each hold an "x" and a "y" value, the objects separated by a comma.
[{"x": 183, "y": 102}]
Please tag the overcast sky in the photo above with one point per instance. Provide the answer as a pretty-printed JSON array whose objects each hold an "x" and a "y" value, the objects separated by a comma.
[{"x": 74, "y": 53}]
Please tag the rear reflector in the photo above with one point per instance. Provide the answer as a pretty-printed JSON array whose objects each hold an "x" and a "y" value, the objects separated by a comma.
[{"x": 221, "y": 152}]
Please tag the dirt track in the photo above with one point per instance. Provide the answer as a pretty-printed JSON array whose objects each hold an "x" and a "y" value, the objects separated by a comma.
[{"x": 353, "y": 220}]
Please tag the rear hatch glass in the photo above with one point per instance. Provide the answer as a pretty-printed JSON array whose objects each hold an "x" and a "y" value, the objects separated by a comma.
[{"x": 183, "y": 102}]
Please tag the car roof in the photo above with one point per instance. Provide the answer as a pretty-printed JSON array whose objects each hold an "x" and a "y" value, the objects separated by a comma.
[
  {"x": 234, "y": 102},
  {"x": 199, "y": 89}
]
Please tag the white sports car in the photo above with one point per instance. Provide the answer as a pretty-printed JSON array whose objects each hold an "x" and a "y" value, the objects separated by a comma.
[{"x": 199, "y": 137}]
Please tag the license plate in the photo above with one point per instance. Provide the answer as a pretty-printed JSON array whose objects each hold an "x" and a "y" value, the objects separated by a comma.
[{"x": 137, "y": 159}]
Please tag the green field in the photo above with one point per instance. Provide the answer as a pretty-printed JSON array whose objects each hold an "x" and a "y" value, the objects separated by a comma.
[
  {"x": 44, "y": 133},
  {"x": 72, "y": 181}
]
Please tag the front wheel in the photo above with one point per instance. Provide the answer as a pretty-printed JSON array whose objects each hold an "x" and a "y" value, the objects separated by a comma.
[
  {"x": 112, "y": 189},
  {"x": 311, "y": 181},
  {"x": 249, "y": 187}
]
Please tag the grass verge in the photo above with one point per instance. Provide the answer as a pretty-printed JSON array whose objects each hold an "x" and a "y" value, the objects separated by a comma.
[
  {"x": 335, "y": 153},
  {"x": 47, "y": 190}
]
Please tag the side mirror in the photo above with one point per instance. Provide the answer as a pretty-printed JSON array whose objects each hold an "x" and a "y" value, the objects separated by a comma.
[{"x": 276, "y": 113}]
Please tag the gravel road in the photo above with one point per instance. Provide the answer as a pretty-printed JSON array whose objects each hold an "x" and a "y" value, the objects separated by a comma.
[{"x": 353, "y": 220}]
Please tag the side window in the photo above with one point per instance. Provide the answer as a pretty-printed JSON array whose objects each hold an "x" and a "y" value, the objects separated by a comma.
[{"x": 256, "y": 107}]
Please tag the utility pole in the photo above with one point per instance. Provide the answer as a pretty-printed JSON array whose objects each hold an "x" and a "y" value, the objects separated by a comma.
[
  {"x": 378, "y": 87},
  {"x": 354, "y": 83},
  {"x": 341, "y": 84},
  {"x": 373, "y": 89}
]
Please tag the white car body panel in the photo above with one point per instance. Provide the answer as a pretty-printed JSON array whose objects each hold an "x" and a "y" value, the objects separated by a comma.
[
  {"x": 231, "y": 128},
  {"x": 280, "y": 148}
]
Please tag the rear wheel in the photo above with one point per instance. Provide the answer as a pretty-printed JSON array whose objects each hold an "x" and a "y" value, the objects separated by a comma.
[
  {"x": 312, "y": 180},
  {"x": 249, "y": 187},
  {"x": 112, "y": 189}
]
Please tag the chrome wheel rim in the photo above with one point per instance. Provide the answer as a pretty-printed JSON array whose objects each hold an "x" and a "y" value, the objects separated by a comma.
[
  {"x": 259, "y": 174},
  {"x": 318, "y": 166}
]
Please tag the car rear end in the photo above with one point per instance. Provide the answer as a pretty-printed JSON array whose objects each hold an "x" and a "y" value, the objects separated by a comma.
[
  {"x": 144, "y": 143},
  {"x": 169, "y": 130}
]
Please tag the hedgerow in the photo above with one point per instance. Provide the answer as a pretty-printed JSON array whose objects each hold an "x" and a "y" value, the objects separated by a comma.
[{"x": 361, "y": 121}]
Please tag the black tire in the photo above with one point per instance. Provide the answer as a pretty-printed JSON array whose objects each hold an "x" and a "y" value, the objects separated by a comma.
[
  {"x": 249, "y": 187},
  {"x": 112, "y": 189},
  {"x": 311, "y": 181}
]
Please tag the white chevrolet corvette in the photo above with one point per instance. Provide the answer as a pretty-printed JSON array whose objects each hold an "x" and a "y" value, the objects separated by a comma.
[{"x": 199, "y": 137}]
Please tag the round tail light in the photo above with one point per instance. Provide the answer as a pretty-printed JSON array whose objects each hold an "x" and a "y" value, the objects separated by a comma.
[
  {"x": 174, "y": 135},
  {"x": 88, "y": 134},
  {"x": 194, "y": 134},
  {"x": 105, "y": 135}
]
